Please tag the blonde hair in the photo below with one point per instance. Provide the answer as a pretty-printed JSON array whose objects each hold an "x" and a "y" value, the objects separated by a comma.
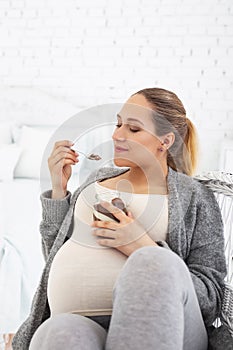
[{"x": 170, "y": 116}]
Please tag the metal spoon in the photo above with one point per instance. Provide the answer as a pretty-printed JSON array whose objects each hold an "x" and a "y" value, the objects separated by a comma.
[{"x": 91, "y": 156}]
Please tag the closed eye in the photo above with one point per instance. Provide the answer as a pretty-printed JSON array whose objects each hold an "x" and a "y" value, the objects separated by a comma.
[{"x": 132, "y": 129}]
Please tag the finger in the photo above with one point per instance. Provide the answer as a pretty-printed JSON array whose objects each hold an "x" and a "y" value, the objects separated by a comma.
[
  {"x": 66, "y": 143},
  {"x": 64, "y": 149},
  {"x": 60, "y": 153},
  {"x": 118, "y": 213},
  {"x": 52, "y": 164},
  {"x": 111, "y": 243},
  {"x": 69, "y": 161},
  {"x": 129, "y": 213},
  {"x": 105, "y": 224},
  {"x": 62, "y": 170},
  {"x": 73, "y": 151},
  {"x": 104, "y": 233},
  {"x": 62, "y": 156}
]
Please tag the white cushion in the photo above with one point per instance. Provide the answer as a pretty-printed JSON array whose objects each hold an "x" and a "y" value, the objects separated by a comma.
[
  {"x": 9, "y": 155},
  {"x": 33, "y": 142}
]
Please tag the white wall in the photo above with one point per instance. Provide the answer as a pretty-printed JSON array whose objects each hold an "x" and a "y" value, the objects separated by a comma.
[{"x": 92, "y": 52}]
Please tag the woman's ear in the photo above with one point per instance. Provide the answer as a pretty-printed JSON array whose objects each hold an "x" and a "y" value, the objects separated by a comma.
[{"x": 168, "y": 139}]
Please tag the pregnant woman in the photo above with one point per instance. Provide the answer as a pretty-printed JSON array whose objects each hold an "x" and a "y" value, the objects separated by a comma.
[{"x": 153, "y": 279}]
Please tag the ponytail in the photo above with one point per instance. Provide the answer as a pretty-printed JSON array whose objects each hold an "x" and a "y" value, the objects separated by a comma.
[
  {"x": 183, "y": 154},
  {"x": 190, "y": 149}
]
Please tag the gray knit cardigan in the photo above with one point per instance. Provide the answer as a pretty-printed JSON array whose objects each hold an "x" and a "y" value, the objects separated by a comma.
[{"x": 195, "y": 233}]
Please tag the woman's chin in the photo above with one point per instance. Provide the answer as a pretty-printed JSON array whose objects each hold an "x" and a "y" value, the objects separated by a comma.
[{"x": 121, "y": 162}]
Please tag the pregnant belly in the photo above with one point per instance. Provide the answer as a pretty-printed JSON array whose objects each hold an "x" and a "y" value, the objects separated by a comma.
[{"x": 82, "y": 278}]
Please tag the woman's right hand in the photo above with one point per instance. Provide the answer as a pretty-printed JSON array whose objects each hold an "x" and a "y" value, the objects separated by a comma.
[{"x": 59, "y": 163}]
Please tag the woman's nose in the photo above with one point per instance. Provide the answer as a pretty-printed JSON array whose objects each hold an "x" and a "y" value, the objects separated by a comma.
[{"x": 119, "y": 134}]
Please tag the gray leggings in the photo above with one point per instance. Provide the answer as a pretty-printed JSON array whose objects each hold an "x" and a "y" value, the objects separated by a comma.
[{"x": 154, "y": 307}]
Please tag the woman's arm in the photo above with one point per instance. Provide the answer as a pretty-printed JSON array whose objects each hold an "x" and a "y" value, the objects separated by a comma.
[
  {"x": 206, "y": 259},
  {"x": 53, "y": 214},
  {"x": 55, "y": 203}
]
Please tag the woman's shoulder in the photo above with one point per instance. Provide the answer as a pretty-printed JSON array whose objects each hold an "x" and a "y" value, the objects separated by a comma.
[
  {"x": 192, "y": 191},
  {"x": 191, "y": 183}
]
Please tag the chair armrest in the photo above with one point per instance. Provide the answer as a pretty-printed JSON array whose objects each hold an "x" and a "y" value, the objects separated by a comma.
[{"x": 227, "y": 308}]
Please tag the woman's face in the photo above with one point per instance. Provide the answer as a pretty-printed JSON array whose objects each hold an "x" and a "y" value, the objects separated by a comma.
[{"x": 135, "y": 143}]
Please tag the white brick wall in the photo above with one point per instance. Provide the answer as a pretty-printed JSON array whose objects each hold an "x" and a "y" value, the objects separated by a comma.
[{"x": 91, "y": 52}]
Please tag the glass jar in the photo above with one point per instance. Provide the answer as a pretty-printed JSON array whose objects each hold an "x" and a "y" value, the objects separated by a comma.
[{"x": 101, "y": 213}]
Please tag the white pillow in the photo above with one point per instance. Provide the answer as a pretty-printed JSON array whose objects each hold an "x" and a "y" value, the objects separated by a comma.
[
  {"x": 5, "y": 133},
  {"x": 9, "y": 155},
  {"x": 33, "y": 142}
]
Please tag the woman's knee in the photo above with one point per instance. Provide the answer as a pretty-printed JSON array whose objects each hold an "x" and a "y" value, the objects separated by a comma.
[
  {"x": 155, "y": 257},
  {"x": 153, "y": 261},
  {"x": 68, "y": 330}
]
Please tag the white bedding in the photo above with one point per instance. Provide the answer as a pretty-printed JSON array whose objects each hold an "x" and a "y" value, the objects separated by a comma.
[{"x": 20, "y": 250}]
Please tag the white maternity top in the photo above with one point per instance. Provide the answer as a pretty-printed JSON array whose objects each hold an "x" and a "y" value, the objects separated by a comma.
[{"x": 83, "y": 273}]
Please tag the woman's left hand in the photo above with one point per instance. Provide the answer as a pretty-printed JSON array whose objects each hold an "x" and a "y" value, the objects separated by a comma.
[{"x": 126, "y": 236}]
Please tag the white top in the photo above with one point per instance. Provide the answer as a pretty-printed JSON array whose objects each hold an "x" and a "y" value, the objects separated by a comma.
[{"x": 83, "y": 273}]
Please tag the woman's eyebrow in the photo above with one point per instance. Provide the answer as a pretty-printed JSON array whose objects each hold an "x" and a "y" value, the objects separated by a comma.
[{"x": 132, "y": 119}]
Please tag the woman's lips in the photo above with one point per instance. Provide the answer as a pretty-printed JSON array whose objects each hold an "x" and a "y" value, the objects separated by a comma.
[{"x": 120, "y": 149}]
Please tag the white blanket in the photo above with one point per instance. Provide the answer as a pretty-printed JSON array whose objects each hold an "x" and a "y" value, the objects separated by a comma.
[{"x": 21, "y": 259}]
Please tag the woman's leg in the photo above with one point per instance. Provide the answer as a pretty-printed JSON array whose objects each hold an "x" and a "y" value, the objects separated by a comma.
[
  {"x": 69, "y": 331},
  {"x": 155, "y": 305}
]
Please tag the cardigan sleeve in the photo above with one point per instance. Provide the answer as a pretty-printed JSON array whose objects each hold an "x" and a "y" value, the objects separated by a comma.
[
  {"x": 53, "y": 214},
  {"x": 206, "y": 259}
]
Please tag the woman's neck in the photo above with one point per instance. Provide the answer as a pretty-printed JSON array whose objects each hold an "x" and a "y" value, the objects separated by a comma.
[{"x": 146, "y": 181}]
